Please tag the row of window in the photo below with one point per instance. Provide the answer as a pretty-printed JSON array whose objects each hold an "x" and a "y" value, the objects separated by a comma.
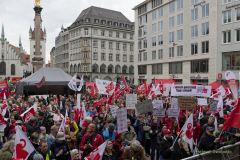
[
  {"x": 171, "y": 52},
  {"x": 110, "y": 69},
  {"x": 229, "y": 1},
  {"x": 111, "y": 43},
  {"x": 111, "y": 57},
  {"x": 227, "y": 36},
  {"x": 195, "y": 12},
  {"x": 3, "y": 69},
  {"x": 103, "y": 32},
  {"x": 197, "y": 66},
  {"x": 228, "y": 15}
]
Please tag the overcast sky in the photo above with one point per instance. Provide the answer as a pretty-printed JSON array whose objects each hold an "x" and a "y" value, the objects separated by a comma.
[{"x": 17, "y": 16}]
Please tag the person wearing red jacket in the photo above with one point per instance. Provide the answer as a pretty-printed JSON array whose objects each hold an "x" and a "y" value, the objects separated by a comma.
[{"x": 90, "y": 141}]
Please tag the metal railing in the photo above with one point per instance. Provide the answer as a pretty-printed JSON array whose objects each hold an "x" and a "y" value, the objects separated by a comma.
[{"x": 229, "y": 152}]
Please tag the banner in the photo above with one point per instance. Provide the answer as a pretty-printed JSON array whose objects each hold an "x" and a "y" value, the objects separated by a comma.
[
  {"x": 191, "y": 90},
  {"x": 105, "y": 87},
  {"x": 187, "y": 103},
  {"x": 122, "y": 120},
  {"x": 174, "y": 110},
  {"x": 131, "y": 101},
  {"x": 144, "y": 107}
]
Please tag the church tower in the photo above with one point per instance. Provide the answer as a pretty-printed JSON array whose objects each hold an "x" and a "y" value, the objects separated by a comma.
[{"x": 37, "y": 38}]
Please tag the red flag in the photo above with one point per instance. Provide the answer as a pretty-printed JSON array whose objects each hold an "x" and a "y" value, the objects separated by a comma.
[
  {"x": 97, "y": 154},
  {"x": 28, "y": 114},
  {"x": 41, "y": 83},
  {"x": 110, "y": 87},
  {"x": 125, "y": 86},
  {"x": 233, "y": 119},
  {"x": 91, "y": 88}
]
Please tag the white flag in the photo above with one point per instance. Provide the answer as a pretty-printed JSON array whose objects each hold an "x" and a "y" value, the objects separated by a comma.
[
  {"x": 105, "y": 87},
  {"x": 220, "y": 106},
  {"x": 63, "y": 124},
  {"x": 4, "y": 106},
  {"x": 188, "y": 131},
  {"x": 76, "y": 84},
  {"x": 216, "y": 125},
  {"x": 23, "y": 147},
  {"x": 97, "y": 154}
]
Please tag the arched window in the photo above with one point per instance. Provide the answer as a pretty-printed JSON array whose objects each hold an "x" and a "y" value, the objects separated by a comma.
[
  {"x": 71, "y": 68},
  {"x": 95, "y": 68},
  {"x": 103, "y": 68},
  {"x": 110, "y": 68},
  {"x": 124, "y": 69},
  {"x": 117, "y": 69},
  {"x": 2, "y": 68},
  {"x": 79, "y": 68},
  {"x": 75, "y": 68},
  {"x": 131, "y": 70},
  {"x": 13, "y": 69}
]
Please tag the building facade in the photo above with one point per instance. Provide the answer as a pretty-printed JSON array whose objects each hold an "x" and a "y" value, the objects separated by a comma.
[
  {"x": 186, "y": 40},
  {"x": 100, "y": 45},
  {"x": 13, "y": 60},
  {"x": 61, "y": 52},
  {"x": 37, "y": 38}
]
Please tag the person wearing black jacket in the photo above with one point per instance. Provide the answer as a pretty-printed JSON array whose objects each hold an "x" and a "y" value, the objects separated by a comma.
[
  {"x": 166, "y": 145},
  {"x": 208, "y": 141}
]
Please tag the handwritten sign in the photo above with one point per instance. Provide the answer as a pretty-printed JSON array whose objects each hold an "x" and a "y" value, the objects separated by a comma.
[
  {"x": 122, "y": 120},
  {"x": 131, "y": 101},
  {"x": 114, "y": 110},
  {"x": 174, "y": 110},
  {"x": 186, "y": 103}
]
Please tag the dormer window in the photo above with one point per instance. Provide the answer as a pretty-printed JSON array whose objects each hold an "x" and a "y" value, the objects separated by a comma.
[
  {"x": 87, "y": 20},
  {"x": 96, "y": 20},
  {"x": 126, "y": 25},
  {"x": 115, "y": 24},
  {"x": 109, "y": 23},
  {"x": 121, "y": 24}
]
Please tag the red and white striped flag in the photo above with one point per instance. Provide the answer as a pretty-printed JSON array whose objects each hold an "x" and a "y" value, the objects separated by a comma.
[{"x": 97, "y": 154}]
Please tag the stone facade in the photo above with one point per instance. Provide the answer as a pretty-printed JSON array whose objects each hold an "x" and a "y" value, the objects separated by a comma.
[
  {"x": 100, "y": 45},
  {"x": 187, "y": 40}
]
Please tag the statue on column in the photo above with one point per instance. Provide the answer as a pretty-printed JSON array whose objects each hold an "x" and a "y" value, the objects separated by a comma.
[{"x": 37, "y": 3}]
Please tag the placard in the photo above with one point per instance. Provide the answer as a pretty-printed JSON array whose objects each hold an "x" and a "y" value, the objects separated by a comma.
[
  {"x": 114, "y": 110},
  {"x": 131, "y": 101},
  {"x": 191, "y": 90},
  {"x": 202, "y": 101},
  {"x": 174, "y": 110},
  {"x": 144, "y": 107},
  {"x": 157, "y": 104},
  {"x": 186, "y": 103},
  {"x": 159, "y": 112},
  {"x": 122, "y": 120},
  {"x": 213, "y": 106},
  {"x": 166, "y": 89}
]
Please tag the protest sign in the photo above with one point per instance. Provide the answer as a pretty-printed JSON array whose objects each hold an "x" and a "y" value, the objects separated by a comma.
[
  {"x": 159, "y": 112},
  {"x": 144, "y": 107},
  {"x": 113, "y": 110},
  {"x": 174, "y": 110},
  {"x": 191, "y": 90},
  {"x": 202, "y": 101},
  {"x": 186, "y": 103},
  {"x": 157, "y": 104},
  {"x": 131, "y": 101},
  {"x": 213, "y": 106},
  {"x": 122, "y": 120}
]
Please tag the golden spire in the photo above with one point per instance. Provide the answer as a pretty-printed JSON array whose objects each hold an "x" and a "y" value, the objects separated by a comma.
[{"x": 37, "y": 3}]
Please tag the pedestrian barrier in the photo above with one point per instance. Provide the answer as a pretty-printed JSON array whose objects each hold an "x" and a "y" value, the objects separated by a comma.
[{"x": 229, "y": 152}]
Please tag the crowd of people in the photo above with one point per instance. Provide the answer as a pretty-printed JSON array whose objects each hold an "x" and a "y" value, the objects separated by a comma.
[{"x": 147, "y": 137}]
